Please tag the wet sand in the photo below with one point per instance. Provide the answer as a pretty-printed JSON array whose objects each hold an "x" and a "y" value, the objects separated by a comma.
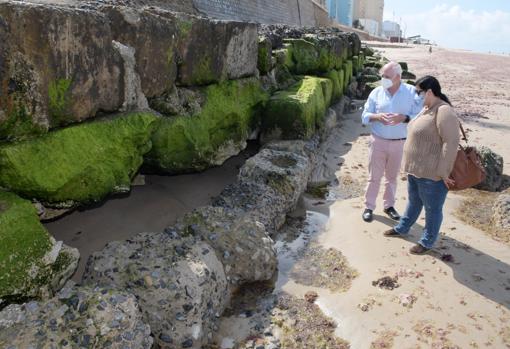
[{"x": 148, "y": 208}]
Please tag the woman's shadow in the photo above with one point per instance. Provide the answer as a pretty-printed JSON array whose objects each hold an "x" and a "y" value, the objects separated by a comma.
[{"x": 482, "y": 273}]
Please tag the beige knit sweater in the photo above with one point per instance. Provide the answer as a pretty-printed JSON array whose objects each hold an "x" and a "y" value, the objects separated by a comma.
[{"x": 432, "y": 142}]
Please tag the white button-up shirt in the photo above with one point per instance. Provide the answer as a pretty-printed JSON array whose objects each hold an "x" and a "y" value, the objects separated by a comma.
[{"x": 405, "y": 101}]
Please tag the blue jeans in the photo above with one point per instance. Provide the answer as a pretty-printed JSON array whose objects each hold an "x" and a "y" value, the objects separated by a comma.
[{"x": 431, "y": 194}]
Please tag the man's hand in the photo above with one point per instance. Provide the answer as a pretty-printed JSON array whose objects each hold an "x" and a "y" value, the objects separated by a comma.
[
  {"x": 395, "y": 119},
  {"x": 383, "y": 118}
]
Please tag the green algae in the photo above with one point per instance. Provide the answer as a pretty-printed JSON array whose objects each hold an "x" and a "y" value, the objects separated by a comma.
[
  {"x": 59, "y": 101},
  {"x": 193, "y": 143},
  {"x": 24, "y": 244},
  {"x": 264, "y": 56},
  {"x": 305, "y": 56},
  {"x": 81, "y": 163},
  {"x": 337, "y": 79},
  {"x": 347, "y": 68},
  {"x": 297, "y": 111}
]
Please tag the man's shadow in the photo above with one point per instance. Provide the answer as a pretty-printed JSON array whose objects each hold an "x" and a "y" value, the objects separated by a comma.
[{"x": 484, "y": 274}]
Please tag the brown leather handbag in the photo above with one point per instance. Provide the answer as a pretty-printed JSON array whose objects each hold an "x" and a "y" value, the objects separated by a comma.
[{"x": 467, "y": 170}]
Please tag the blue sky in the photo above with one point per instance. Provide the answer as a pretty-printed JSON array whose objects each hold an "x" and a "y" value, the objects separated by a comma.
[{"x": 478, "y": 25}]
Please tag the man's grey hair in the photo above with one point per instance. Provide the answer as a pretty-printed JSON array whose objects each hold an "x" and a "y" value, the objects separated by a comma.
[{"x": 395, "y": 68}]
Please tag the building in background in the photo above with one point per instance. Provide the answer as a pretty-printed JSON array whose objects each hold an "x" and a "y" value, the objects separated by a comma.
[
  {"x": 369, "y": 14},
  {"x": 341, "y": 11},
  {"x": 392, "y": 31}
]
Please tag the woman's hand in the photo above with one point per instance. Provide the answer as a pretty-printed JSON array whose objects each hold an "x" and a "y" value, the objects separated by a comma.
[{"x": 449, "y": 182}]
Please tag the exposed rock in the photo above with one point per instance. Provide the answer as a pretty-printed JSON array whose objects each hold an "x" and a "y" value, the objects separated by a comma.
[
  {"x": 493, "y": 165},
  {"x": 134, "y": 99},
  {"x": 408, "y": 75},
  {"x": 179, "y": 101},
  {"x": 285, "y": 172},
  {"x": 215, "y": 50},
  {"x": 218, "y": 131},
  {"x": 242, "y": 244},
  {"x": 58, "y": 66},
  {"x": 265, "y": 203},
  {"x": 261, "y": 201},
  {"x": 76, "y": 317},
  {"x": 501, "y": 211},
  {"x": 32, "y": 263},
  {"x": 153, "y": 38},
  {"x": 178, "y": 280},
  {"x": 78, "y": 164}
]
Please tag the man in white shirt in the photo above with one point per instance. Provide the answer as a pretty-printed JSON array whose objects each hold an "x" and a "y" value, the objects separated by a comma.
[{"x": 388, "y": 110}]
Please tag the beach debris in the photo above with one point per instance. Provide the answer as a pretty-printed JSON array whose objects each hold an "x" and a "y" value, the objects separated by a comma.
[
  {"x": 324, "y": 268},
  {"x": 311, "y": 296},
  {"x": 446, "y": 257},
  {"x": 408, "y": 273},
  {"x": 367, "y": 304},
  {"x": 407, "y": 300},
  {"x": 384, "y": 340},
  {"x": 364, "y": 306},
  {"x": 302, "y": 325},
  {"x": 386, "y": 282}
]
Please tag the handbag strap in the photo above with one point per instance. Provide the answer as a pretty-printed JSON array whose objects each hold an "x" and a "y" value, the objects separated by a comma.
[{"x": 464, "y": 137}]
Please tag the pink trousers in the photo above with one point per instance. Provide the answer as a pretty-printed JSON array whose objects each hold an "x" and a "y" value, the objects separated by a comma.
[{"x": 385, "y": 157}]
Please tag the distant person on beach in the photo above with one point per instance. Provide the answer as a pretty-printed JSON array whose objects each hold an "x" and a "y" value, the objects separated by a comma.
[
  {"x": 429, "y": 154},
  {"x": 430, "y": 49},
  {"x": 388, "y": 110}
]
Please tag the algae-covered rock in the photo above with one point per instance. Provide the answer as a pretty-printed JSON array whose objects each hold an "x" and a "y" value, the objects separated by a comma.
[
  {"x": 264, "y": 55},
  {"x": 295, "y": 113},
  {"x": 347, "y": 68},
  {"x": 368, "y": 88},
  {"x": 32, "y": 263},
  {"x": 82, "y": 163},
  {"x": 58, "y": 65},
  {"x": 77, "y": 317},
  {"x": 408, "y": 75},
  {"x": 218, "y": 131},
  {"x": 213, "y": 51},
  {"x": 178, "y": 280},
  {"x": 337, "y": 79},
  {"x": 305, "y": 56},
  {"x": 330, "y": 52},
  {"x": 493, "y": 165}
]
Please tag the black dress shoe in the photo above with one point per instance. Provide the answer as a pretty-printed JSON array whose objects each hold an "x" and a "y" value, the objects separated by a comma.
[
  {"x": 392, "y": 213},
  {"x": 367, "y": 215}
]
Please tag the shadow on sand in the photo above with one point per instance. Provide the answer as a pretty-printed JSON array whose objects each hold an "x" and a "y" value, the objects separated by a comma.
[{"x": 482, "y": 273}]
